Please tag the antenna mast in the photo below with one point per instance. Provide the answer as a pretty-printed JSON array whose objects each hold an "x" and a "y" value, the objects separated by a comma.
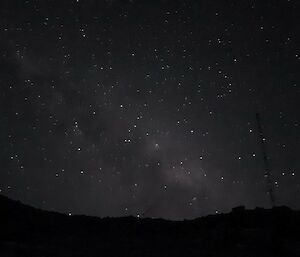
[{"x": 267, "y": 173}]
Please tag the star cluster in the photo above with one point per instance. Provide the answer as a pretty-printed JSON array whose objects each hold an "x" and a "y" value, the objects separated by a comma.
[{"x": 147, "y": 108}]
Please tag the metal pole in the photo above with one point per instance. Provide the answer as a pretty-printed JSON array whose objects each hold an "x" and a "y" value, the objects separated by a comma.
[{"x": 267, "y": 173}]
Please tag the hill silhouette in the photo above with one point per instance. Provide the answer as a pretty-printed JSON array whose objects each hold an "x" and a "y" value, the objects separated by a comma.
[{"x": 27, "y": 231}]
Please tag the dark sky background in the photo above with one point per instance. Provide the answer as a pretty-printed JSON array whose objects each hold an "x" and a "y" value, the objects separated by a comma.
[{"x": 114, "y": 108}]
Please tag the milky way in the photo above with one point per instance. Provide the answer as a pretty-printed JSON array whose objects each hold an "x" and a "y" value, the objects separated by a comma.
[{"x": 114, "y": 108}]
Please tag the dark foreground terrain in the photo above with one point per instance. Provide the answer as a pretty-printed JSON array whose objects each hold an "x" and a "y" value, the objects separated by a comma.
[{"x": 26, "y": 231}]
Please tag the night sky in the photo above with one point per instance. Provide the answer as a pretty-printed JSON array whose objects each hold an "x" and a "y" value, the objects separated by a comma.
[{"x": 147, "y": 108}]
